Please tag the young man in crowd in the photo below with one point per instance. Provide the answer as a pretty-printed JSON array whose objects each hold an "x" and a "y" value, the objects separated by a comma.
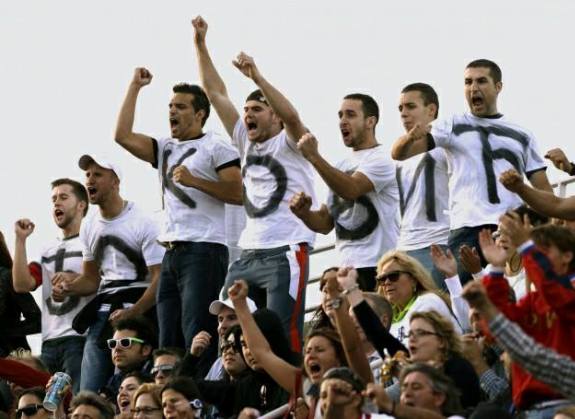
[
  {"x": 62, "y": 346},
  {"x": 363, "y": 200},
  {"x": 121, "y": 261},
  {"x": 275, "y": 244},
  {"x": 199, "y": 172},
  {"x": 131, "y": 349},
  {"x": 422, "y": 182},
  {"x": 479, "y": 145},
  {"x": 166, "y": 361},
  {"x": 88, "y": 405}
]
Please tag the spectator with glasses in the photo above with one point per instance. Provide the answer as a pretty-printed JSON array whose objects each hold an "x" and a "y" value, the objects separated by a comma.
[
  {"x": 30, "y": 404},
  {"x": 147, "y": 402},
  {"x": 181, "y": 399},
  {"x": 433, "y": 340},
  {"x": 166, "y": 361},
  {"x": 131, "y": 348},
  {"x": 408, "y": 286}
]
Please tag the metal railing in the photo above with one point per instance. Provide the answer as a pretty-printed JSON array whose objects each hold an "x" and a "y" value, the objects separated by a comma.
[{"x": 562, "y": 192}]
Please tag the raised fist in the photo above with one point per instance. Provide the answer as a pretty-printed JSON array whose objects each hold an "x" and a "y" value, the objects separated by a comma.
[
  {"x": 142, "y": 77},
  {"x": 23, "y": 228},
  {"x": 200, "y": 28}
]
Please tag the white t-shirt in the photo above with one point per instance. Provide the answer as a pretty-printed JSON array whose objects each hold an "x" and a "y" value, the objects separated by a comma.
[
  {"x": 122, "y": 247},
  {"x": 424, "y": 302},
  {"x": 273, "y": 171},
  {"x": 190, "y": 214},
  {"x": 63, "y": 256},
  {"x": 424, "y": 196},
  {"x": 478, "y": 150},
  {"x": 369, "y": 226}
]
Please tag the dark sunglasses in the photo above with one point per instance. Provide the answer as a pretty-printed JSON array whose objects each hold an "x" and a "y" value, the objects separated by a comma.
[
  {"x": 227, "y": 346},
  {"x": 165, "y": 368},
  {"x": 391, "y": 276},
  {"x": 124, "y": 343},
  {"x": 29, "y": 410}
]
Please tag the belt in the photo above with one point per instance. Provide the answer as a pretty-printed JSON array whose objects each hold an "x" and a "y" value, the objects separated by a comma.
[{"x": 174, "y": 244}]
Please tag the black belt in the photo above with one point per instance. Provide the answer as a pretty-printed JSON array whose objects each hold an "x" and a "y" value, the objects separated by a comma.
[{"x": 174, "y": 244}]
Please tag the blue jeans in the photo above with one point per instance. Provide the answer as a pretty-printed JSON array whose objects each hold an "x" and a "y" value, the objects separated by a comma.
[
  {"x": 191, "y": 278},
  {"x": 470, "y": 237},
  {"x": 65, "y": 354},
  {"x": 545, "y": 412},
  {"x": 277, "y": 279},
  {"x": 423, "y": 256},
  {"x": 97, "y": 367}
]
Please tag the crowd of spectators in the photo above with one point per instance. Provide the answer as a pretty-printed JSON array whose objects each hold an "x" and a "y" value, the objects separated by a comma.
[{"x": 451, "y": 294}]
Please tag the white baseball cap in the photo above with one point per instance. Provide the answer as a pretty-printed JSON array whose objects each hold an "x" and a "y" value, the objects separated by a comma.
[
  {"x": 86, "y": 160},
  {"x": 217, "y": 305}
]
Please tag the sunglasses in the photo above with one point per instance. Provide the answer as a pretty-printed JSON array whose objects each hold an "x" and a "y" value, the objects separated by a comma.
[
  {"x": 165, "y": 368},
  {"x": 124, "y": 343},
  {"x": 227, "y": 346},
  {"x": 391, "y": 276},
  {"x": 29, "y": 410}
]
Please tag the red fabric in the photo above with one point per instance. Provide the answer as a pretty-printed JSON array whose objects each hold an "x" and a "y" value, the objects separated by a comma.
[
  {"x": 295, "y": 338},
  {"x": 36, "y": 271},
  {"x": 543, "y": 315},
  {"x": 21, "y": 374}
]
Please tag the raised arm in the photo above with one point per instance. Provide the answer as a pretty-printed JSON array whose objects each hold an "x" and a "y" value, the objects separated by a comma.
[
  {"x": 351, "y": 343},
  {"x": 346, "y": 186},
  {"x": 418, "y": 140},
  {"x": 139, "y": 145},
  {"x": 211, "y": 80},
  {"x": 281, "y": 371},
  {"x": 319, "y": 221},
  {"x": 540, "y": 200},
  {"x": 22, "y": 280},
  {"x": 278, "y": 102}
]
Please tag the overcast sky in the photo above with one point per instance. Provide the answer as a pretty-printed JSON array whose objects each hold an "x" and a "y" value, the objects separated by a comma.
[{"x": 65, "y": 66}]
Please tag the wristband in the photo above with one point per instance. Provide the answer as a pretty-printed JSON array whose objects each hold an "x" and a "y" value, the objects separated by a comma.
[{"x": 350, "y": 289}]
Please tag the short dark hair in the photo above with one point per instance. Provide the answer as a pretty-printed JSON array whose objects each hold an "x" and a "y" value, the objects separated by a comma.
[
  {"x": 141, "y": 376},
  {"x": 144, "y": 329},
  {"x": 186, "y": 386},
  {"x": 494, "y": 70},
  {"x": 440, "y": 383},
  {"x": 380, "y": 306},
  {"x": 368, "y": 105},
  {"x": 171, "y": 351},
  {"x": 200, "y": 101},
  {"x": 535, "y": 218},
  {"x": 77, "y": 189},
  {"x": 347, "y": 375},
  {"x": 558, "y": 236},
  {"x": 38, "y": 392},
  {"x": 90, "y": 398},
  {"x": 428, "y": 94}
]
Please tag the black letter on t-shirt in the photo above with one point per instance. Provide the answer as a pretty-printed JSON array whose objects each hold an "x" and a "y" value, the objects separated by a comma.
[
  {"x": 427, "y": 164},
  {"x": 167, "y": 177}
]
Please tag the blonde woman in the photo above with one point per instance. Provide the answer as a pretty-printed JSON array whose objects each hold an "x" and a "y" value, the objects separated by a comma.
[{"x": 407, "y": 285}]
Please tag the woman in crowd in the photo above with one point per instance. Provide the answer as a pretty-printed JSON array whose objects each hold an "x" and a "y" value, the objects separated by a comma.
[
  {"x": 322, "y": 351},
  {"x": 181, "y": 399},
  {"x": 128, "y": 387},
  {"x": 249, "y": 386},
  {"x": 432, "y": 340},
  {"x": 147, "y": 402},
  {"x": 405, "y": 283},
  {"x": 323, "y": 316}
]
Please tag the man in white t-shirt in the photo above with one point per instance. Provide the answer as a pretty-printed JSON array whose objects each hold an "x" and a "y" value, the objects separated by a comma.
[
  {"x": 62, "y": 346},
  {"x": 199, "y": 173},
  {"x": 121, "y": 262},
  {"x": 479, "y": 146},
  {"x": 422, "y": 180},
  {"x": 275, "y": 243},
  {"x": 363, "y": 199}
]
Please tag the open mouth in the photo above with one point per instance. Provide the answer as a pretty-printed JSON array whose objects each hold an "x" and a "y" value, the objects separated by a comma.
[
  {"x": 58, "y": 213},
  {"x": 314, "y": 369},
  {"x": 345, "y": 132},
  {"x": 477, "y": 101},
  {"x": 174, "y": 122},
  {"x": 124, "y": 403},
  {"x": 251, "y": 126},
  {"x": 92, "y": 191}
]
